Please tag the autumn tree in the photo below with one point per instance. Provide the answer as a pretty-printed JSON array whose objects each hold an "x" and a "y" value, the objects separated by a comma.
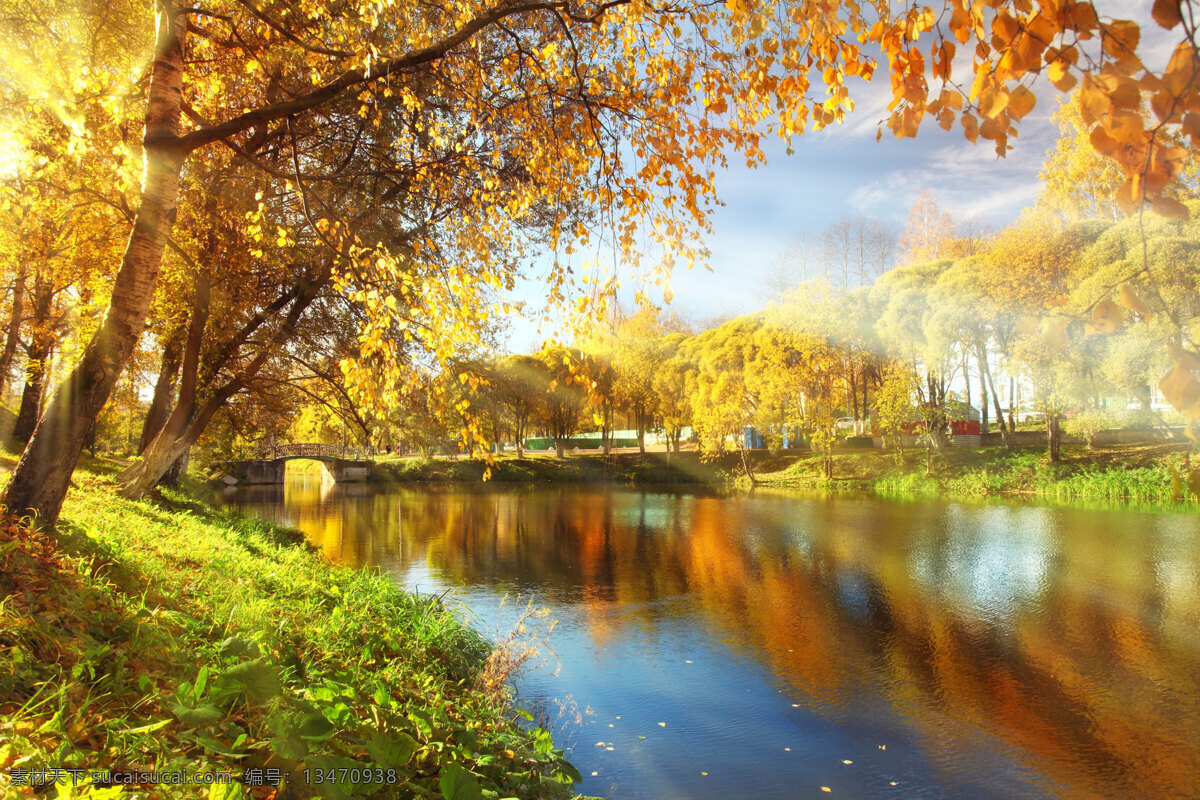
[
  {"x": 520, "y": 383},
  {"x": 565, "y": 394},
  {"x": 625, "y": 106}
]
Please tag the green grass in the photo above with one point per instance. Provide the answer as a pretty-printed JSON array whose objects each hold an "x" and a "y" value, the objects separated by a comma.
[
  {"x": 165, "y": 635},
  {"x": 1139, "y": 474}
]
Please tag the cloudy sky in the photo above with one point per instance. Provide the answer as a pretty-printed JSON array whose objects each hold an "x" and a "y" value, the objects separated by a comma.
[{"x": 843, "y": 171}]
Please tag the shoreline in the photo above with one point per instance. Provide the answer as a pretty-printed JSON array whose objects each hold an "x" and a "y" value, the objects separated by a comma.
[
  {"x": 1135, "y": 473},
  {"x": 168, "y": 636}
]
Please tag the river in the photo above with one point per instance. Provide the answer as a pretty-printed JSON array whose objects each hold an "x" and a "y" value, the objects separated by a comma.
[{"x": 782, "y": 646}]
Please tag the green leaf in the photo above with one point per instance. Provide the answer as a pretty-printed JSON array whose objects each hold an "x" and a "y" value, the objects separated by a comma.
[
  {"x": 523, "y": 714},
  {"x": 260, "y": 679},
  {"x": 153, "y": 726},
  {"x": 292, "y": 747},
  {"x": 225, "y": 791},
  {"x": 237, "y": 647},
  {"x": 209, "y": 743},
  {"x": 201, "y": 682},
  {"x": 196, "y": 717},
  {"x": 315, "y": 726},
  {"x": 392, "y": 750},
  {"x": 457, "y": 783}
]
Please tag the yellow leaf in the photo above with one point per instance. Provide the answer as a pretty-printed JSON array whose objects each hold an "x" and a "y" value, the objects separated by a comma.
[
  {"x": 1181, "y": 390},
  {"x": 1021, "y": 102},
  {"x": 1107, "y": 317}
]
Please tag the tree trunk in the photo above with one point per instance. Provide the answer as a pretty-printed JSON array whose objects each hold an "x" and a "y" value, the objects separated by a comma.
[
  {"x": 164, "y": 388},
  {"x": 177, "y": 469},
  {"x": 41, "y": 340},
  {"x": 986, "y": 371},
  {"x": 983, "y": 400},
  {"x": 559, "y": 449},
  {"x": 1053, "y": 437},
  {"x": 188, "y": 421},
  {"x": 14, "y": 330},
  {"x": 747, "y": 469},
  {"x": 1012, "y": 397},
  {"x": 39, "y": 482}
]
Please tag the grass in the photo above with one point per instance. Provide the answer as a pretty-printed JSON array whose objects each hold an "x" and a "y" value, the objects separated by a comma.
[
  {"x": 1125, "y": 473},
  {"x": 164, "y": 635},
  {"x": 1129, "y": 473}
]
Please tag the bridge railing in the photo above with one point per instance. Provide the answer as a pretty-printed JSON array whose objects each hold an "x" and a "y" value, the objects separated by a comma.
[{"x": 312, "y": 450}]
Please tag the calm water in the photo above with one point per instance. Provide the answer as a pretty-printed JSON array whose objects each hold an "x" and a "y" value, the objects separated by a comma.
[{"x": 880, "y": 649}]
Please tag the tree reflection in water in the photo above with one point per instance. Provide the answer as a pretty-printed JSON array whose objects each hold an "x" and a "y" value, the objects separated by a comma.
[{"x": 1067, "y": 639}]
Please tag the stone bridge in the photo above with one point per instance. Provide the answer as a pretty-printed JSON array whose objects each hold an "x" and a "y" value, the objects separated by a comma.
[{"x": 273, "y": 466}]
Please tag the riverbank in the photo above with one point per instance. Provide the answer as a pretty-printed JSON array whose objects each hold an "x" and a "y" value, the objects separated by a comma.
[
  {"x": 589, "y": 468},
  {"x": 1147, "y": 473},
  {"x": 1144, "y": 473},
  {"x": 167, "y": 636}
]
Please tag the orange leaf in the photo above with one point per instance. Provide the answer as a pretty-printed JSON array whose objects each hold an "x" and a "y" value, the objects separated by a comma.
[
  {"x": 970, "y": 127},
  {"x": 1129, "y": 298},
  {"x": 1107, "y": 317},
  {"x": 1021, "y": 102},
  {"x": 1182, "y": 390},
  {"x": 1191, "y": 126},
  {"x": 1166, "y": 13},
  {"x": 1169, "y": 208},
  {"x": 1184, "y": 358}
]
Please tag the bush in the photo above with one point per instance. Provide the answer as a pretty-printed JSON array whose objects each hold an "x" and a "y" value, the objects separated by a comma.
[{"x": 1087, "y": 425}]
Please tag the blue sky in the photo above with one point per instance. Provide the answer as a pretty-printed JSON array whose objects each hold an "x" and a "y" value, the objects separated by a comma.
[{"x": 843, "y": 171}]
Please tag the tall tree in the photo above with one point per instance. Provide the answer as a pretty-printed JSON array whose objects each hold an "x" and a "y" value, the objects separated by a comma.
[{"x": 585, "y": 84}]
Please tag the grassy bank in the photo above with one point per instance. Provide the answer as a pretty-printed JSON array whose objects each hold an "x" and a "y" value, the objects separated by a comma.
[
  {"x": 1137, "y": 473},
  {"x": 164, "y": 636},
  {"x": 624, "y": 468},
  {"x": 1122, "y": 473}
]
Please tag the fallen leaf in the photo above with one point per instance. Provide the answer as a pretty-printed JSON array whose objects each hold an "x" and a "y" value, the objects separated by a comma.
[{"x": 662, "y": 724}]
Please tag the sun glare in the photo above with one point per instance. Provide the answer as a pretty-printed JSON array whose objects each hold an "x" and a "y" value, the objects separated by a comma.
[{"x": 11, "y": 154}]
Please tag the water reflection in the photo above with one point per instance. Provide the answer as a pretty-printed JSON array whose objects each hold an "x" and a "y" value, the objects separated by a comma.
[{"x": 1007, "y": 651}]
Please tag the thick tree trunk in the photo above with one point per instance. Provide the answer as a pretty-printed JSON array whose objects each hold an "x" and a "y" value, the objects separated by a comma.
[
  {"x": 14, "y": 330},
  {"x": 41, "y": 340},
  {"x": 164, "y": 388},
  {"x": 177, "y": 469},
  {"x": 155, "y": 459},
  {"x": 39, "y": 482},
  {"x": 188, "y": 421}
]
